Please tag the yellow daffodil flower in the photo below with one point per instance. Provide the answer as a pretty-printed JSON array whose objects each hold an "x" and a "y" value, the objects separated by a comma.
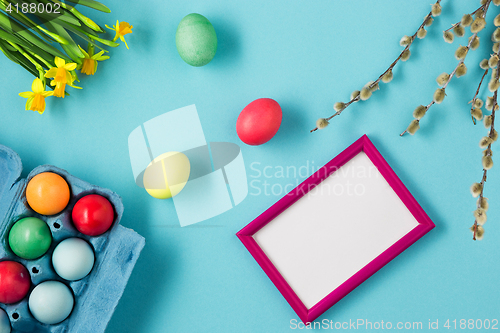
[
  {"x": 36, "y": 98},
  {"x": 121, "y": 29},
  {"x": 62, "y": 76},
  {"x": 90, "y": 60}
]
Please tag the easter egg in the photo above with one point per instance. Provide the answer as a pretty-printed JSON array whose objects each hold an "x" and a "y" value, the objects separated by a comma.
[
  {"x": 259, "y": 121},
  {"x": 4, "y": 322},
  {"x": 73, "y": 259},
  {"x": 30, "y": 238},
  {"x": 47, "y": 193},
  {"x": 15, "y": 282},
  {"x": 93, "y": 215},
  {"x": 196, "y": 40},
  {"x": 167, "y": 175},
  {"x": 51, "y": 302}
]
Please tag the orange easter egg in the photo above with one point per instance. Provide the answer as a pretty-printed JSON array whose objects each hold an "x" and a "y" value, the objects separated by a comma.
[{"x": 47, "y": 193}]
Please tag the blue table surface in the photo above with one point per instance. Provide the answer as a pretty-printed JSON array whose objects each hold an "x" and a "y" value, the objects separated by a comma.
[{"x": 306, "y": 56}]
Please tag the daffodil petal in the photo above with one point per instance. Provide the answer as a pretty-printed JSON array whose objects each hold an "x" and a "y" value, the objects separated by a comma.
[
  {"x": 59, "y": 62},
  {"x": 84, "y": 52},
  {"x": 27, "y": 94},
  {"x": 70, "y": 67},
  {"x": 37, "y": 86},
  {"x": 96, "y": 56},
  {"x": 47, "y": 93},
  {"x": 69, "y": 78},
  {"x": 28, "y": 103},
  {"x": 102, "y": 58},
  {"x": 51, "y": 72}
]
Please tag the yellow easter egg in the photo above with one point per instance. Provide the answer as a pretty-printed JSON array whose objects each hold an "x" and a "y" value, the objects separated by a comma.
[{"x": 167, "y": 175}]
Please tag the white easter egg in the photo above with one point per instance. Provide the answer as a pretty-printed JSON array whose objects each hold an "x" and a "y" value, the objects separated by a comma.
[
  {"x": 73, "y": 259},
  {"x": 51, "y": 302}
]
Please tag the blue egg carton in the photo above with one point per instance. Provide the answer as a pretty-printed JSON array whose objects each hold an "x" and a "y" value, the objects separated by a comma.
[{"x": 116, "y": 252}]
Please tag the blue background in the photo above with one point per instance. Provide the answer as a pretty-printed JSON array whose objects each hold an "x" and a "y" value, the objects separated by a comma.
[{"x": 306, "y": 56}]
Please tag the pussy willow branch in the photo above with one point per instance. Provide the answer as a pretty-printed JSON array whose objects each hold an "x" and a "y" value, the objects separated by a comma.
[
  {"x": 472, "y": 38},
  {"x": 458, "y": 23},
  {"x": 492, "y": 131},
  {"x": 357, "y": 98},
  {"x": 477, "y": 92}
]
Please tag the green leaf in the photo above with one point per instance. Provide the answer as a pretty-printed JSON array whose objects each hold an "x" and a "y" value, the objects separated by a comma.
[
  {"x": 8, "y": 51},
  {"x": 23, "y": 19},
  {"x": 84, "y": 19},
  {"x": 71, "y": 47},
  {"x": 12, "y": 38},
  {"x": 63, "y": 16},
  {"x": 81, "y": 33},
  {"x": 105, "y": 42},
  {"x": 92, "y": 4},
  {"x": 13, "y": 27}
]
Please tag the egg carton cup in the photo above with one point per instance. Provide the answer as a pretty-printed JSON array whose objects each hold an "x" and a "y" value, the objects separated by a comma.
[{"x": 116, "y": 252}]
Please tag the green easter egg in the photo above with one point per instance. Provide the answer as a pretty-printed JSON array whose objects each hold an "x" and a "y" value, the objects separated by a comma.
[
  {"x": 30, "y": 238},
  {"x": 196, "y": 40}
]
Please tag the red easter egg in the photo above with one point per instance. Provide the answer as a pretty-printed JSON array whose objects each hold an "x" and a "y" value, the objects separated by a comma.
[
  {"x": 93, "y": 215},
  {"x": 259, "y": 121},
  {"x": 15, "y": 282}
]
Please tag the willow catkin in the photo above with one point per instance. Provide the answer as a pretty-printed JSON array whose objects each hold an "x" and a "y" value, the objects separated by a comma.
[
  {"x": 421, "y": 33},
  {"x": 413, "y": 127},
  {"x": 419, "y": 112},
  {"x": 485, "y": 142},
  {"x": 480, "y": 215},
  {"x": 496, "y": 21},
  {"x": 461, "y": 52},
  {"x": 442, "y": 79},
  {"x": 487, "y": 121},
  {"x": 448, "y": 36},
  {"x": 475, "y": 42},
  {"x": 461, "y": 70},
  {"x": 339, "y": 106},
  {"x": 459, "y": 30},
  {"x": 477, "y": 113},
  {"x": 483, "y": 203},
  {"x": 405, "y": 55},
  {"x": 477, "y": 25},
  {"x": 355, "y": 94},
  {"x": 365, "y": 94},
  {"x": 478, "y": 103},
  {"x": 405, "y": 40},
  {"x": 466, "y": 20},
  {"x": 321, "y": 123},
  {"x": 439, "y": 95},
  {"x": 495, "y": 36},
  {"x": 487, "y": 162},
  {"x": 387, "y": 77},
  {"x": 476, "y": 189},
  {"x": 436, "y": 9}
]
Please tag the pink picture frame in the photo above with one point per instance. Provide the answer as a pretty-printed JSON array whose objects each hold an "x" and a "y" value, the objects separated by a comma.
[{"x": 246, "y": 235}]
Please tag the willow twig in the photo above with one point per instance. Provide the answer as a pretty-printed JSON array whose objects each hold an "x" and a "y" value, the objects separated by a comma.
[
  {"x": 453, "y": 26},
  {"x": 373, "y": 84},
  {"x": 477, "y": 92},
  {"x": 452, "y": 74},
  {"x": 489, "y": 153}
]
